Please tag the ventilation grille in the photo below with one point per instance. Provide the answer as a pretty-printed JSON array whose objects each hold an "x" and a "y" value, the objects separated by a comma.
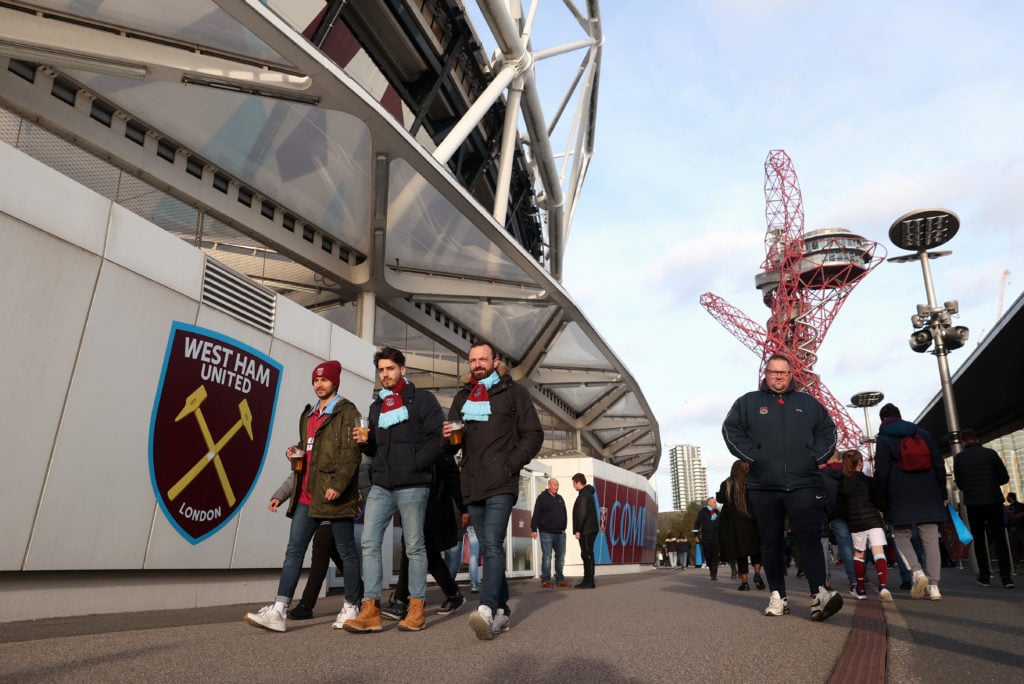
[{"x": 226, "y": 291}]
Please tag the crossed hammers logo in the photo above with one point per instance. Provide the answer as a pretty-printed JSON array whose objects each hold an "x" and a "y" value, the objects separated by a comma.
[{"x": 192, "y": 407}]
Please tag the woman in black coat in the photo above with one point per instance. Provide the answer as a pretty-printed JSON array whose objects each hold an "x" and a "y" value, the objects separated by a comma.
[{"x": 737, "y": 527}]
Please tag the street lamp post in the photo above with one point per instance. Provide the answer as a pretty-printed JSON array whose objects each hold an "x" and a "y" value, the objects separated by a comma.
[
  {"x": 920, "y": 231},
  {"x": 866, "y": 400}
]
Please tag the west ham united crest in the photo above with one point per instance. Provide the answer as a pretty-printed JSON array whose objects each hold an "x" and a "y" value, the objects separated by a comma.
[{"x": 210, "y": 429}]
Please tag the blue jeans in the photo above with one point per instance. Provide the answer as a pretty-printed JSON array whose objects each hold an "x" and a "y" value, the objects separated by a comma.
[
  {"x": 381, "y": 505},
  {"x": 455, "y": 556},
  {"x": 552, "y": 541},
  {"x": 302, "y": 529},
  {"x": 490, "y": 518},
  {"x": 844, "y": 541}
]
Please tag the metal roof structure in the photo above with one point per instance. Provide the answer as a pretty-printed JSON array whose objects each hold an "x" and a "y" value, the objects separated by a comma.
[
  {"x": 365, "y": 159},
  {"x": 987, "y": 385}
]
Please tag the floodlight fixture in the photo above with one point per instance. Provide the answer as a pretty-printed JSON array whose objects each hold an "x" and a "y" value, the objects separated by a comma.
[
  {"x": 921, "y": 340},
  {"x": 867, "y": 399},
  {"x": 955, "y": 337},
  {"x": 921, "y": 231},
  {"x": 924, "y": 229}
]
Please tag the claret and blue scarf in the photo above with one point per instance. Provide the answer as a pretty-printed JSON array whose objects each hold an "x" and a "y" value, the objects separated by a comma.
[
  {"x": 478, "y": 405},
  {"x": 393, "y": 411}
]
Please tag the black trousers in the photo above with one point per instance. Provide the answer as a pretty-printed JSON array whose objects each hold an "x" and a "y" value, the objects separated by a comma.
[
  {"x": 989, "y": 517},
  {"x": 436, "y": 566},
  {"x": 805, "y": 510},
  {"x": 324, "y": 551},
  {"x": 709, "y": 547},
  {"x": 587, "y": 554}
]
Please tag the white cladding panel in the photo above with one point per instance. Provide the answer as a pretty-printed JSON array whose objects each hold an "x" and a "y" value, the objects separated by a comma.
[
  {"x": 98, "y": 505},
  {"x": 46, "y": 285},
  {"x": 313, "y": 333},
  {"x": 133, "y": 243},
  {"x": 51, "y": 201}
]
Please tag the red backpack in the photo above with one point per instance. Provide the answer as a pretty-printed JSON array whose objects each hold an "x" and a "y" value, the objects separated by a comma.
[{"x": 915, "y": 455}]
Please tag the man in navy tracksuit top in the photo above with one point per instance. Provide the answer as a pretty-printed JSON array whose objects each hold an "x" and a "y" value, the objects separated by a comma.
[{"x": 785, "y": 435}]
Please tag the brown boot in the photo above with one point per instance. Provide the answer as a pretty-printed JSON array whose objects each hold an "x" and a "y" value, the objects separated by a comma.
[
  {"x": 413, "y": 621},
  {"x": 368, "y": 619}
]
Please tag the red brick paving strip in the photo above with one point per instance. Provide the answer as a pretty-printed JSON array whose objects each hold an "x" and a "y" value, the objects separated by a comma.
[{"x": 863, "y": 657}]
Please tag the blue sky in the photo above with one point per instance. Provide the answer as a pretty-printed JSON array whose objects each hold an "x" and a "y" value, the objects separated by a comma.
[{"x": 883, "y": 107}]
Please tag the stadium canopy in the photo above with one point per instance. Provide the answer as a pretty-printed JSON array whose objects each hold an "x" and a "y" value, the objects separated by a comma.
[
  {"x": 364, "y": 159},
  {"x": 987, "y": 386}
]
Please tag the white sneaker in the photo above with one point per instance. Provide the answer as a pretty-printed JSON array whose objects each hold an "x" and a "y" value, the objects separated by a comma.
[
  {"x": 481, "y": 622},
  {"x": 267, "y": 618},
  {"x": 500, "y": 623},
  {"x": 920, "y": 585},
  {"x": 932, "y": 593},
  {"x": 884, "y": 594},
  {"x": 777, "y": 605},
  {"x": 349, "y": 611},
  {"x": 825, "y": 604}
]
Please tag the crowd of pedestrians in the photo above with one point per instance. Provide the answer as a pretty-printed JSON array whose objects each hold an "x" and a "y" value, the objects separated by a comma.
[
  {"x": 790, "y": 496},
  {"x": 400, "y": 459}
]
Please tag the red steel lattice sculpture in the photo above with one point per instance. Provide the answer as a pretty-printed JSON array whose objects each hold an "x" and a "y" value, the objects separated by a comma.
[{"x": 804, "y": 281}]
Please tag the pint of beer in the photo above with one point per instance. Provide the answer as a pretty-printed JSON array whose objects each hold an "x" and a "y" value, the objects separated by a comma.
[
  {"x": 298, "y": 458},
  {"x": 363, "y": 430},
  {"x": 456, "y": 436}
]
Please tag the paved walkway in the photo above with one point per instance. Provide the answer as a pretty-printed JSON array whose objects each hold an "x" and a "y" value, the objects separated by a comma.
[{"x": 643, "y": 627}]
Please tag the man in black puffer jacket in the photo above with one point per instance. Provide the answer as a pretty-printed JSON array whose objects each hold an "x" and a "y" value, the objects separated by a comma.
[
  {"x": 979, "y": 472},
  {"x": 405, "y": 440},
  {"x": 785, "y": 435},
  {"x": 502, "y": 433}
]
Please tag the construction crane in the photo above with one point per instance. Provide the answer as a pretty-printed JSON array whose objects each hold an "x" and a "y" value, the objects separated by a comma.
[
  {"x": 804, "y": 280},
  {"x": 1002, "y": 294}
]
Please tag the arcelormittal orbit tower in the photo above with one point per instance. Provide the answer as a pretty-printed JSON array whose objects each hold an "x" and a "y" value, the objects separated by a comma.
[{"x": 804, "y": 280}]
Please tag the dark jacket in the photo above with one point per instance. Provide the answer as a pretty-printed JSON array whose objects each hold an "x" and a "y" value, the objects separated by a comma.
[
  {"x": 782, "y": 436},
  {"x": 706, "y": 526},
  {"x": 831, "y": 474},
  {"x": 494, "y": 451},
  {"x": 737, "y": 530},
  {"x": 441, "y": 525},
  {"x": 860, "y": 500},
  {"x": 978, "y": 472},
  {"x": 549, "y": 513},
  {"x": 917, "y": 497},
  {"x": 584, "y": 512},
  {"x": 404, "y": 453},
  {"x": 334, "y": 464}
]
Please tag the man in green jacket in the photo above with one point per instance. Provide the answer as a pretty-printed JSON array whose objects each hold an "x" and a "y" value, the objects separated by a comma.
[{"x": 326, "y": 488}]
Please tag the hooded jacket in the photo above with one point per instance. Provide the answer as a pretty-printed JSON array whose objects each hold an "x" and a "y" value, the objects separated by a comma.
[
  {"x": 916, "y": 497},
  {"x": 783, "y": 436},
  {"x": 402, "y": 455},
  {"x": 494, "y": 450},
  {"x": 333, "y": 464}
]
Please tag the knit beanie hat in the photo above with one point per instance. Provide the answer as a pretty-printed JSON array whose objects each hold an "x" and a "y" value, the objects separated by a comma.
[{"x": 330, "y": 370}]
